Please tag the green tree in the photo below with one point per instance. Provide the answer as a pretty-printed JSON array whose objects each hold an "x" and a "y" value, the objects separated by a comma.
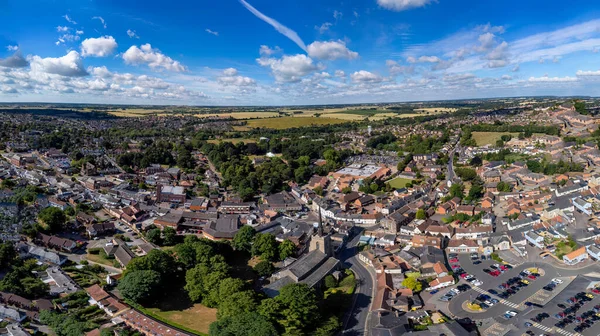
[
  {"x": 230, "y": 286},
  {"x": 329, "y": 327},
  {"x": 265, "y": 246},
  {"x": 8, "y": 254},
  {"x": 242, "y": 241},
  {"x": 457, "y": 190},
  {"x": 245, "y": 324},
  {"x": 330, "y": 281},
  {"x": 476, "y": 161},
  {"x": 140, "y": 286},
  {"x": 420, "y": 214},
  {"x": 580, "y": 107},
  {"x": 318, "y": 190},
  {"x": 154, "y": 236},
  {"x": 286, "y": 249},
  {"x": 264, "y": 268},
  {"x": 54, "y": 218},
  {"x": 236, "y": 304},
  {"x": 413, "y": 284},
  {"x": 169, "y": 236},
  {"x": 300, "y": 306},
  {"x": 156, "y": 260}
]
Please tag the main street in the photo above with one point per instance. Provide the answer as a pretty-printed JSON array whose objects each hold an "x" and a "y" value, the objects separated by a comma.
[{"x": 356, "y": 319}]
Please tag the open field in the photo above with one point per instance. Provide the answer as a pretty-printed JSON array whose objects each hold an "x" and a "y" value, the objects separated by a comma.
[
  {"x": 399, "y": 182},
  {"x": 291, "y": 122},
  {"x": 232, "y": 140},
  {"x": 197, "y": 317},
  {"x": 240, "y": 115},
  {"x": 489, "y": 138},
  {"x": 363, "y": 112},
  {"x": 344, "y": 116},
  {"x": 385, "y": 115}
]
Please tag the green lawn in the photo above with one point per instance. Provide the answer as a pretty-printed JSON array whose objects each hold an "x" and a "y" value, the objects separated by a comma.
[
  {"x": 399, "y": 182},
  {"x": 197, "y": 318},
  {"x": 489, "y": 138}
]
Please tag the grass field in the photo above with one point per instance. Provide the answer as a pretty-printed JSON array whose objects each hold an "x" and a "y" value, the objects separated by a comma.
[
  {"x": 197, "y": 317},
  {"x": 489, "y": 138},
  {"x": 344, "y": 116},
  {"x": 434, "y": 110},
  {"x": 291, "y": 122},
  {"x": 366, "y": 113},
  {"x": 232, "y": 140},
  {"x": 240, "y": 115},
  {"x": 399, "y": 182}
]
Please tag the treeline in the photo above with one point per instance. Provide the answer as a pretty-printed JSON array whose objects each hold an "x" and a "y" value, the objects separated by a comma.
[
  {"x": 417, "y": 144},
  {"x": 548, "y": 168},
  {"x": 527, "y": 130}
]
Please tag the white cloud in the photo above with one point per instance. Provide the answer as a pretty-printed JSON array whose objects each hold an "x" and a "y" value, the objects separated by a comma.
[
  {"x": 292, "y": 35},
  {"x": 583, "y": 73},
  {"x": 364, "y": 76},
  {"x": 68, "y": 18},
  {"x": 145, "y": 54},
  {"x": 324, "y": 27},
  {"x": 546, "y": 79},
  {"x": 230, "y": 77},
  {"x": 70, "y": 65},
  {"x": 396, "y": 69},
  {"x": 290, "y": 68},
  {"x": 331, "y": 50},
  {"x": 340, "y": 73},
  {"x": 411, "y": 59},
  {"x": 12, "y": 47},
  {"x": 211, "y": 32},
  {"x": 337, "y": 14},
  {"x": 14, "y": 61},
  {"x": 101, "y": 20},
  {"x": 401, "y": 5},
  {"x": 79, "y": 32},
  {"x": 98, "y": 47},
  {"x": 506, "y": 77},
  {"x": 267, "y": 51},
  {"x": 486, "y": 41},
  {"x": 429, "y": 59},
  {"x": 62, "y": 29},
  {"x": 132, "y": 34}
]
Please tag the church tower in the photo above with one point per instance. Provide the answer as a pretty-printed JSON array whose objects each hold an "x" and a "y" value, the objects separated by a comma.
[{"x": 320, "y": 241}]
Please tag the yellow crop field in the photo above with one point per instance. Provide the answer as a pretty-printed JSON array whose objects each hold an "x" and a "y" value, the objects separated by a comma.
[
  {"x": 240, "y": 115},
  {"x": 433, "y": 110},
  {"x": 344, "y": 116}
]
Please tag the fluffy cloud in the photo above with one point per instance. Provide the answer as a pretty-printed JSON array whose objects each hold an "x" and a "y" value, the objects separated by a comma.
[
  {"x": 397, "y": 69},
  {"x": 546, "y": 79},
  {"x": 98, "y": 47},
  {"x": 267, "y": 51},
  {"x": 486, "y": 41},
  {"x": 230, "y": 77},
  {"x": 132, "y": 34},
  {"x": 331, "y": 50},
  {"x": 70, "y": 65},
  {"x": 364, "y": 76},
  {"x": 290, "y": 69},
  {"x": 14, "y": 61},
  {"x": 12, "y": 47},
  {"x": 145, "y": 54},
  {"x": 401, "y": 5},
  {"x": 62, "y": 29}
]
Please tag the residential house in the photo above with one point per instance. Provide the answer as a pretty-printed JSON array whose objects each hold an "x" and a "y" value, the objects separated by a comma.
[
  {"x": 462, "y": 246},
  {"x": 576, "y": 256}
]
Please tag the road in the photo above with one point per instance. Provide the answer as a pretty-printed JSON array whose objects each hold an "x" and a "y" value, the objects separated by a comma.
[
  {"x": 356, "y": 320},
  {"x": 450, "y": 174}
]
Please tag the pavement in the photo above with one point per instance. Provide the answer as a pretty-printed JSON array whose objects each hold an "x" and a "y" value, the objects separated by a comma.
[{"x": 356, "y": 320}]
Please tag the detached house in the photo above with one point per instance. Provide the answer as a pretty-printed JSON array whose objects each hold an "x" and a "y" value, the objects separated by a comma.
[{"x": 576, "y": 256}]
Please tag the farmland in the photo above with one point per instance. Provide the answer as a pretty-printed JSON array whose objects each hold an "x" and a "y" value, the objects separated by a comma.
[{"x": 291, "y": 122}]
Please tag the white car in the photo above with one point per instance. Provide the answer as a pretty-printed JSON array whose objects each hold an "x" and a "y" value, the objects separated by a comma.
[
  {"x": 477, "y": 283},
  {"x": 557, "y": 281},
  {"x": 469, "y": 277},
  {"x": 512, "y": 313},
  {"x": 489, "y": 303}
]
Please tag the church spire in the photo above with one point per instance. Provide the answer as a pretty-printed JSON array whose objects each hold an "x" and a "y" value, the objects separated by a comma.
[{"x": 320, "y": 229}]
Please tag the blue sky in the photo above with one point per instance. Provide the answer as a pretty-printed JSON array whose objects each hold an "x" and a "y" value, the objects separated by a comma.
[{"x": 289, "y": 52}]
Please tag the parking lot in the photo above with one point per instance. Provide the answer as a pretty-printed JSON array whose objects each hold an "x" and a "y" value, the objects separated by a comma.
[{"x": 579, "y": 284}]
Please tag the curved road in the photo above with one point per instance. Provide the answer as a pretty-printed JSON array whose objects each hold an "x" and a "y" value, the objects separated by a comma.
[{"x": 356, "y": 320}]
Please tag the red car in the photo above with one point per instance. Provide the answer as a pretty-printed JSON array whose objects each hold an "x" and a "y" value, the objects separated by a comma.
[
  {"x": 495, "y": 273},
  {"x": 596, "y": 291},
  {"x": 464, "y": 275},
  {"x": 532, "y": 277},
  {"x": 453, "y": 260},
  {"x": 455, "y": 266},
  {"x": 503, "y": 267}
]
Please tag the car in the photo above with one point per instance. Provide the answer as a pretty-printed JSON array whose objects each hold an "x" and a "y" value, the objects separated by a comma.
[
  {"x": 483, "y": 257},
  {"x": 493, "y": 266},
  {"x": 560, "y": 305},
  {"x": 494, "y": 301},
  {"x": 511, "y": 313},
  {"x": 435, "y": 291},
  {"x": 525, "y": 282},
  {"x": 477, "y": 262},
  {"x": 557, "y": 281},
  {"x": 453, "y": 260},
  {"x": 532, "y": 277},
  {"x": 589, "y": 296},
  {"x": 528, "y": 324},
  {"x": 486, "y": 270},
  {"x": 596, "y": 291},
  {"x": 483, "y": 305},
  {"x": 493, "y": 291},
  {"x": 503, "y": 267},
  {"x": 477, "y": 283},
  {"x": 548, "y": 288},
  {"x": 455, "y": 266},
  {"x": 463, "y": 287},
  {"x": 464, "y": 275}
]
